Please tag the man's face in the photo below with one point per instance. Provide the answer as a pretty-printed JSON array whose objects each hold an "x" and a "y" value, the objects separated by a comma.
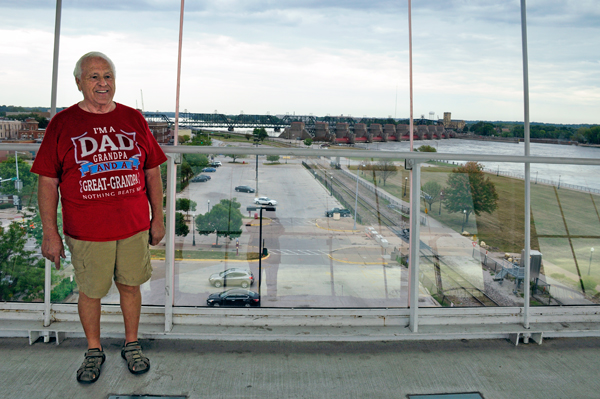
[{"x": 97, "y": 82}]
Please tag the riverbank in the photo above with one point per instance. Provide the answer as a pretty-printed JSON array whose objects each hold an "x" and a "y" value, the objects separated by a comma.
[{"x": 518, "y": 140}]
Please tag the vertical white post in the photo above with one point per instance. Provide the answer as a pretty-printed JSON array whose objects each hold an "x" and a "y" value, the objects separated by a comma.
[
  {"x": 171, "y": 191},
  {"x": 414, "y": 247},
  {"x": 526, "y": 254},
  {"x": 55, "y": 58},
  {"x": 170, "y": 242},
  {"x": 47, "y": 290}
]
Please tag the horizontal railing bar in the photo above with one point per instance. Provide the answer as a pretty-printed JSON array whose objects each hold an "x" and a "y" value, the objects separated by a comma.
[{"x": 308, "y": 152}]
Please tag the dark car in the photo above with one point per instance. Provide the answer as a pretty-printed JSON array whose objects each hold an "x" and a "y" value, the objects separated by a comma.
[
  {"x": 244, "y": 189},
  {"x": 207, "y": 176},
  {"x": 210, "y": 170},
  {"x": 200, "y": 179},
  {"x": 233, "y": 276},
  {"x": 234, "y": 297},
  {"x": 345, "y": 213}
]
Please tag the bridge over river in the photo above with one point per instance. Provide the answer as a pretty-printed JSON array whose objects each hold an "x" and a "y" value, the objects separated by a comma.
[{"x": 341, "y": 129}]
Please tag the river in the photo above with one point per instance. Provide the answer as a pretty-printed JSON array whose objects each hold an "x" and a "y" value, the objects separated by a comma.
[{"x": 578, "y": 175}]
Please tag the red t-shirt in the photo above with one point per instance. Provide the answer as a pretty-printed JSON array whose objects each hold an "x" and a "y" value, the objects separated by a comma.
[{"x": 99, "y": 160}]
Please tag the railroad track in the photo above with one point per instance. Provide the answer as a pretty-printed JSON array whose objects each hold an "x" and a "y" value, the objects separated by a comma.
[{"x": 369, "y": 205}]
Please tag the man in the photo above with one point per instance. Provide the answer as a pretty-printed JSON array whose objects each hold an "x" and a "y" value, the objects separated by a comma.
[{"x": 103, "y": 159}]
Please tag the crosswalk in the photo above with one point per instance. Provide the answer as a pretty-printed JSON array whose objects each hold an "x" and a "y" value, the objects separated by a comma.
[
  {"x": 295, "y": 222},
  {"x": 298, "y": 252}
]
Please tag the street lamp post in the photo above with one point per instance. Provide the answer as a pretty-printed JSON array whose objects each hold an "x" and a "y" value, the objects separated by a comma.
[
  {"x": 18, "y": 182},
  {"x": 464, "y": 220},
  {"x": 590, "y": 266},
  {"x": 441, "y": 198},
  {"x": 405, "y": 182},
  {"x": 356, "y": 199},
  {"x": 208, "y": 206},
  {"x": 331, "y": 184},
  {"x": 193, "y": 229},
  {"x": 256, "y": 145},
  {"x": 260, "y": 248},
  {"x": 558, "y": 182}
]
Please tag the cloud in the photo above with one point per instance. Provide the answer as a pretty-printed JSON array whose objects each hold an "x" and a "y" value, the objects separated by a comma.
[{"x": 320, "y": 57}]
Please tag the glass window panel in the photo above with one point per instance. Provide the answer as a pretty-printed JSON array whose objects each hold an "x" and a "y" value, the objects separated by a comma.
[
  {"x": 315, "y": 253},
  {"x": 566, "y": 231},
  {"x": 469, "y": 220}
]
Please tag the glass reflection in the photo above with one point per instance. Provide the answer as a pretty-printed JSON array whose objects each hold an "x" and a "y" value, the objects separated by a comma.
[{"x": 328, "y": 238}]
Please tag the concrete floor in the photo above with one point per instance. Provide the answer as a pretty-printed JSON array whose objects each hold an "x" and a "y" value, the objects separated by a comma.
[{"x": 560, "y": 368}]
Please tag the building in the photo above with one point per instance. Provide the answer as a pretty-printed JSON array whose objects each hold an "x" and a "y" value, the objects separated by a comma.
[
  {"x": 161, "y": 132},
  {"x": 30, "y": 131},
  {"x": 452, "y": 124},
  {"x": 9, "y": 129}
]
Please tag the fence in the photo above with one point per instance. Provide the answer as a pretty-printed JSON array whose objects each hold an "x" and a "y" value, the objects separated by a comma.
[
  {"x": 396, "y": 204},
  {"x": 536, "y": 180}
]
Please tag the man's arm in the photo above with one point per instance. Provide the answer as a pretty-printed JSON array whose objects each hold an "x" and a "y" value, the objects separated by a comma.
[
  {"x": 52, "y": 245},
  {"x": 154, "y": 191}
]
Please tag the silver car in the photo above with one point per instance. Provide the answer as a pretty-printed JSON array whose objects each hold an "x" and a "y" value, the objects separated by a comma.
[
  {"x": 231, "y": 277},
  {"x": 265, "y": 201}
]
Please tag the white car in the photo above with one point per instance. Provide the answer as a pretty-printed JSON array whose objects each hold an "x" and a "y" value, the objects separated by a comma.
[{"x": 265, "y": 201}]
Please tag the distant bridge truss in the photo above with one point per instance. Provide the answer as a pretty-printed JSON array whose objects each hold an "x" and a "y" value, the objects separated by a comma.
[{"x": 243, "y": 121}]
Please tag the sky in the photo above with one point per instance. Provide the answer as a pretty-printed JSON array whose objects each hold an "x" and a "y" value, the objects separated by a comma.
[{"x": 316, "y": 57}]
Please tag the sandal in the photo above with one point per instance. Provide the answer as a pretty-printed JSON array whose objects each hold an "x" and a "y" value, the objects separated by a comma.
[
  {"x": 136, "y": 361},
  {"x": 90, "y": 368}
]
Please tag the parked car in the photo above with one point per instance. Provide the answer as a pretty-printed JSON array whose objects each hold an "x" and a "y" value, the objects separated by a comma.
[
  {"x": 200, "y": 179},
  {"x": 265, "y": 201},
  {"x": 244, "y": 189},
  {"x": 233, "y": 276},
  {"x": 216, "y": 164},
  {"x": 234, "y": 297},
  {"x": 345, "y": 213},
  {"x": 209, "y": 170}
]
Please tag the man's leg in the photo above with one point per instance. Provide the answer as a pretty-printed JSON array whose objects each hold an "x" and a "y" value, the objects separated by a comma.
[
  {"x": 131, "y": 306},
  {"x": 89, "y": 315}
]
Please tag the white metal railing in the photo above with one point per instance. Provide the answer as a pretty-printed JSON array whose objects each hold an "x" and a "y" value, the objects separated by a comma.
[{"x": 492, "y": 321}]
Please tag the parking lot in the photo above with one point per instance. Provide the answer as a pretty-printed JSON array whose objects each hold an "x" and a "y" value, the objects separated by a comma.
[{"x": 300, "y": 270}]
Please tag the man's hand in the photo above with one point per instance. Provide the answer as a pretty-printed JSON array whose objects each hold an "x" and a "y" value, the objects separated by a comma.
[
  {"x": 157, "y": 231},
  {"x": 155, "y": 197},
  {"x": 53, "y": 248}
]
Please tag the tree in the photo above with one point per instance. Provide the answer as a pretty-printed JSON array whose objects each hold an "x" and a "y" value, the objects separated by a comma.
[
  {"x": 386, "y": 169},
  {"x": 469, "y": 191},
  {"x": 201, "y": 139},
  {"x": 21, "y": 273},
  {"x": 185, "y": 138},
  {"x": 235, "y": 156},
  {"x": 196, "y": 161},
  {"x": 8, "y": 169},
  {"x": 273, "y": 158},
  {"x": 426, "y": 148},
  {"x": 185, "y": 205},
  {"x": 248, "y": 136},
  {"x": 483, "y": 129},
  {"x": 431, "y": 192},
  {"x": 224, "y": 219},
  {"x": 181, "y": 228},
  {"x": 308, "y": 142},
  {"x": 186, "y": 171},
  {"x": 260, "y": 133}
]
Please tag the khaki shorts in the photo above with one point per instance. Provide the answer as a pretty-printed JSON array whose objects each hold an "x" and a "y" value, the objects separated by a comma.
[{"x": 96, "y": 263}]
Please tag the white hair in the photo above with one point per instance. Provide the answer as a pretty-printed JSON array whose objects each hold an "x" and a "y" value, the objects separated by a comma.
[{"x": 92, "y": 54}]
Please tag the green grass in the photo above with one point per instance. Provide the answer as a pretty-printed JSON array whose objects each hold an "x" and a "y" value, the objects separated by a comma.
[{"x": 504, "y": 229}]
